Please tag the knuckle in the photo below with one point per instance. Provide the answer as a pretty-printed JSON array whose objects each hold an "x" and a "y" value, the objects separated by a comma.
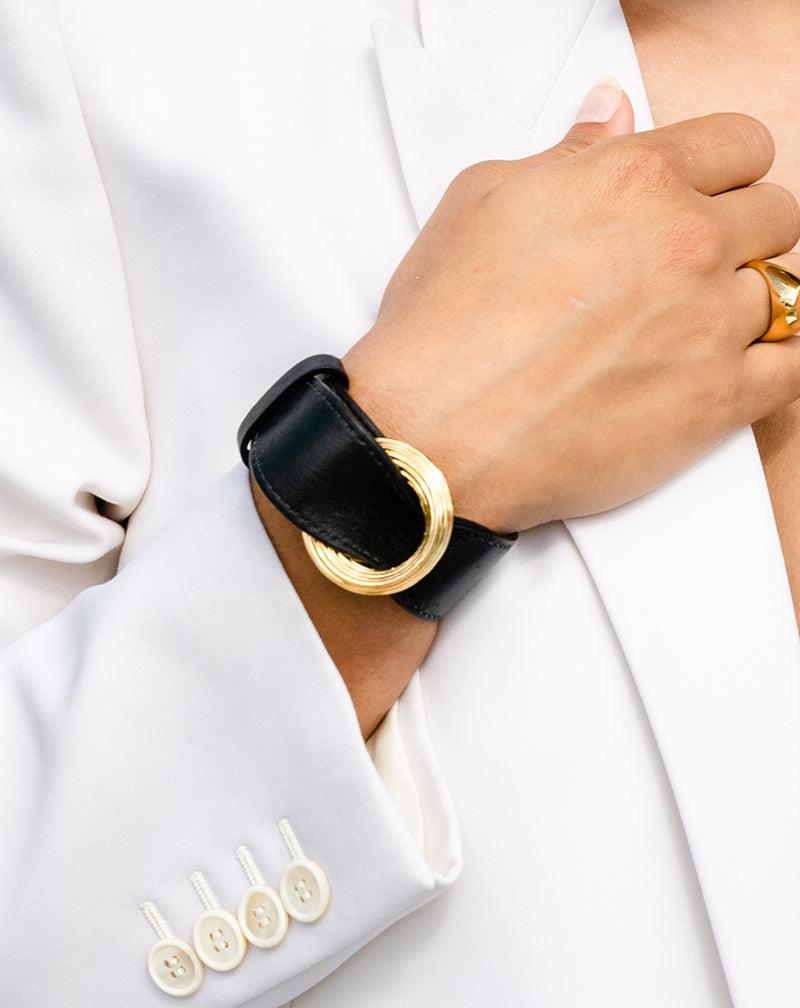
[
  {"x": 573, "y": 143},
  {"x": 481, "y": 179},
  {"x": 640, "y": 168},
  {"x": 698, "y": 239},
  {"x": 780, "y": 214}
]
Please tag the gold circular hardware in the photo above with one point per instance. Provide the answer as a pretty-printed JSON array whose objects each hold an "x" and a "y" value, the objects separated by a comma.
[
  {"x": 783, "y": 289},
  {"x": 437, "y": 506}
]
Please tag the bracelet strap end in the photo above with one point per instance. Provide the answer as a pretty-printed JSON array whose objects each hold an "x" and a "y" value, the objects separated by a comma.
[{"x": 260, "y": 413}]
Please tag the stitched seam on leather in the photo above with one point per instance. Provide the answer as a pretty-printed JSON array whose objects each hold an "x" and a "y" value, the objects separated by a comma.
[
  {"x": 322, "y": 393},
  {"x": 483, "y": 538},
  {"x": 264, "y": 482},
  {"x": 376, "y": 453},
  {"x": 416, "y": 610},
  {"x": 340, "y": 411},
  {"x": 300, "y": 521},
  {"x": 388, "y": 467},
  {"x": 498, "y": 545}
]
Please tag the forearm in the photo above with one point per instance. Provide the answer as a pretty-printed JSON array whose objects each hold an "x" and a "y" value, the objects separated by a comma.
[{"x": 376, "y": 645}]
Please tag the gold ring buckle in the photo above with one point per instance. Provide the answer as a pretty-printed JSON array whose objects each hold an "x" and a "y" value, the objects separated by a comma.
[
  {"x": 784, "y": 288},
  {"x": 437, "y": 506}
]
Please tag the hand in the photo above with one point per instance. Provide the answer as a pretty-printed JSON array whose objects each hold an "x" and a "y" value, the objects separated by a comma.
[{"x": 569, "y": 330}]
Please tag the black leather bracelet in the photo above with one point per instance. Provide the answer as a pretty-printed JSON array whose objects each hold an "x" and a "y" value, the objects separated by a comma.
[{"x": 314, "y": 453}]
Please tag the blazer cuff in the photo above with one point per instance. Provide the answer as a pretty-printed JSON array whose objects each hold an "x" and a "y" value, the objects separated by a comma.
[{"x": 167, "y": 717}]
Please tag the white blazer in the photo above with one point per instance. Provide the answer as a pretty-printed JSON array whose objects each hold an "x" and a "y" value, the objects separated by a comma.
[{"x": 608, "y": 726}]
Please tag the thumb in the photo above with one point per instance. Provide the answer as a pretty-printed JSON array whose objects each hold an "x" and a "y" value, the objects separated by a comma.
[{"x": 605, "y": 112}]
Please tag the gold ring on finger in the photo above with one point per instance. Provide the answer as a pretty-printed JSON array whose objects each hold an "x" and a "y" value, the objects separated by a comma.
[{"x": 784, "y": 288}]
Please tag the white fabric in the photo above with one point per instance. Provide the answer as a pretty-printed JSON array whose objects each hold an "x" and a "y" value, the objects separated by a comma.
[
  {"x": 197, "y": 197},
  {"x": 165, "y": 256}
]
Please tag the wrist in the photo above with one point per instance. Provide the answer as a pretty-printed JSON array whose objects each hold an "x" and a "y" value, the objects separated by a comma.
[
  {"x": 458, "y": 440},
  {"x": 375, "y": 645},
  {"x": 376, "y": 523}
]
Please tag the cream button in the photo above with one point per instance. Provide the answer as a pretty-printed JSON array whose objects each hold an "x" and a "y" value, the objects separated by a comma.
[
  {"x": 173, "y": 964},
  {"x": 174, "y": 968},
  {"x": 305, "y": 891},
  {"x": 262, "y": 917},
  {"x": 218, "y": 940},
  {"x": 217, "y": 936}
]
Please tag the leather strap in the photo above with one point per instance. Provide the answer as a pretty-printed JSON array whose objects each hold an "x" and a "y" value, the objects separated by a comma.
[{"x": 313, "y": 453}]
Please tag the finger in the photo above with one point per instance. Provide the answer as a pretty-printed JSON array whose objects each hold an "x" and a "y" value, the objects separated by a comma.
[
  {"x": 790, "y": 261},
  {"x": 606, "y": 112},
  {"x": 771, "y": 377},
  {"x": 757, "y": 222},
  {"x": 715, "y": 153},
  {"x": 754, "y": 297},
  {"x": 772, "y": 369}
]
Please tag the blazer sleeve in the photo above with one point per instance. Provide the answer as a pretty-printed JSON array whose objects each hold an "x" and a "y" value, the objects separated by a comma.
[
  {"x": 74, "y": 451},
  {"x": 155, "y": 718}
]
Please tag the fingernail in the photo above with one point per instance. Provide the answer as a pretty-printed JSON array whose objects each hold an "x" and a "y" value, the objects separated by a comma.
[{"x": 601, "y": 103}]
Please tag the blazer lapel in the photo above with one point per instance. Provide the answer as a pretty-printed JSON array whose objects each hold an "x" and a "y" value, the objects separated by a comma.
[
  {"x": 693, "y": 579},
  {"x": 692, "y": 575},
  {"x": 510, "y": 52},
  {"x": 440, "y": 123}
]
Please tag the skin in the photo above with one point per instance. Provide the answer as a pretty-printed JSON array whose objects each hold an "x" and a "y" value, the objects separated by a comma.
[
  {"x": 693, "y": 62},
  {"x": 576, "y": 388}
]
